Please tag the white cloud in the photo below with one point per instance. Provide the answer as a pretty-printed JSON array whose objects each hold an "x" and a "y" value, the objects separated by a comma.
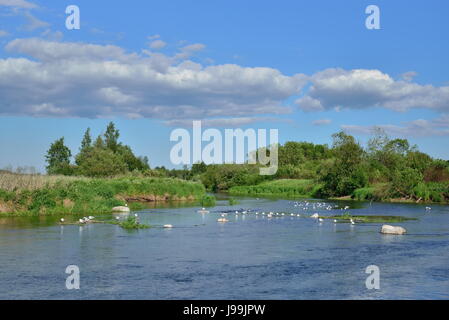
[
  {"x": 416, "y": 128},
  {"x": 85, "y": 80},
  {"x": 322, "y": 122},
  {"x": 358, "y": 89},
  {"x": 17, "y": 4},
  {"x": 34, "y": 23},
  {"x": 157, "y": 44},
  {"x": 223, "y": 122},
  {"x": 3, "y": 33}
]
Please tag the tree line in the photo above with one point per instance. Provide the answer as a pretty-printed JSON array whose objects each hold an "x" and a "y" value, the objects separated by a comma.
[{"x": 104, "y": 157}]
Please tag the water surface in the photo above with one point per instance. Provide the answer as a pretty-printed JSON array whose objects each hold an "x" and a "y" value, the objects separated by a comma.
[{"x": 250, "y": 257}]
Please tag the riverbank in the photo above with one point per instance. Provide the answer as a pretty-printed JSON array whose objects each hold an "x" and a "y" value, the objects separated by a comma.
[
  {"x": 427, "y": 193},
  {"x": 48, "y": 195}
]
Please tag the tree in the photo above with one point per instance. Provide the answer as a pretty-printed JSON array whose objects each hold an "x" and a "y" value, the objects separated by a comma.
[
  {"x": 86, "y": 146},
  {"x": 58, "y": 158},
  {"x": 101, "y": 162},
  {"x": 86, "y": 143},
  {"x": 111, "y": 137}
]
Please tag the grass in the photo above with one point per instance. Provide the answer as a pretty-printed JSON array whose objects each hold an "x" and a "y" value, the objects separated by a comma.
[
  {"x": 132, "y": 224},
  {"x": 284, "y": 187},
  {"x": 424, "y": 192},
  {"x": 208, "y": 201},
  {"x": 46, "y": 195}
]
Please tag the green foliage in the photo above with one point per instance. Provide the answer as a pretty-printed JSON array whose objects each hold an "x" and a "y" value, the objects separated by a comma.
[
  {"x": 96, "y": 196},
  {"x": 106, "y": 157},
  {"x": 131, "y": 223},
  {"x": 208, "y": 201},
  {"x": 58, "y": 158},
  {"x": 99, "y": 162},
  {"x": 286, "y": 188}
]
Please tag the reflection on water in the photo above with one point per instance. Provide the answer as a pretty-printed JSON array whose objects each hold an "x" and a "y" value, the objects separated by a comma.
[{"x": 250, "y": 257}]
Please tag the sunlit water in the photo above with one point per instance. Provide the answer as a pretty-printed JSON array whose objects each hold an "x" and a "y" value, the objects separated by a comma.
[{"x": 250, "y": 257}]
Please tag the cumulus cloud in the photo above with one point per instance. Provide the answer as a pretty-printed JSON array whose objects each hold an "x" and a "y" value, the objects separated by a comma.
[
  {"x": 66, "y": 79},
  {"x": 360, "y": 88},
  {"x": 322, "y": 122},
  {"x": 223, "y": 122},
  {"x": 17, "y": 4},
  {"x": 157, "y": 44},
  {"x": 416, "y": 128}
]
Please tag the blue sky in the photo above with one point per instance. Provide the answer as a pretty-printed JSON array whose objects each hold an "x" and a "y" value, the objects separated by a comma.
[{"x": 307, "y": 68}]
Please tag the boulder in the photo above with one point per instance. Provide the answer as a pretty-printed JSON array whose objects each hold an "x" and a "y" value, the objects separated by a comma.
[
  {"x": 386, "y": 229},
  {"x": 120, "y": 209}
]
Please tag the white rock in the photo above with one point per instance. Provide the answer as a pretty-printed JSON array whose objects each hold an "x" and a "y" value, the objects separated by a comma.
[
  {"x": 386, "y": 229},
  {"x": 120, "y": 209}
]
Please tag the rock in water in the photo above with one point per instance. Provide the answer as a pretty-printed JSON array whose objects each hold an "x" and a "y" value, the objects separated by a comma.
[
  {"x": 120, "y": 209},
  {"x": 386, "y": 229}
]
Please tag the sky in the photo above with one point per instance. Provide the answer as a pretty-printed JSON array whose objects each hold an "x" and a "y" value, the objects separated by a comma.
[{"x": 306, "y": 68}]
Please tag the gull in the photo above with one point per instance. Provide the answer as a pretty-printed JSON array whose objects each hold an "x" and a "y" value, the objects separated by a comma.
[
  {"x": 335, "y": 221},
  {"x": 320, "y": 220},
  {"x": 428, "y": 208},
  {"x": 352, "y": 222},
  {"x": 168, "y": 226},
  {"x": 62, "y": 220},
  {"x": 91, "y": 218}
]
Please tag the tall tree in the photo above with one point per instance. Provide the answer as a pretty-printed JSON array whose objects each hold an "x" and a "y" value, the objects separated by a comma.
[
  {"x": 86, "y": 143},
  {"x": 58, "y": 158},
  {"x": 111, "y": 137}
]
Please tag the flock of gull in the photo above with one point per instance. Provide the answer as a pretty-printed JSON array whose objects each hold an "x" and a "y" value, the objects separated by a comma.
[{"x": 303, "y": 205}]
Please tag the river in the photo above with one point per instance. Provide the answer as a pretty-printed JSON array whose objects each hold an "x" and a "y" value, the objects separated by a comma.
[{"x": 250, "y": 257}]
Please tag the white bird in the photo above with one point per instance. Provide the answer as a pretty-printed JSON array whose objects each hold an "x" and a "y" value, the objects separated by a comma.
[
  {"x": 91, "y": 218},
  {"x": 62, "y": 220},
  {"x": 117, "y": 218},
  {"x": 335, "y": 221},
  {"x": 352, "y": 222},
  {"x": 298, "y": 215},
  {"x": 81, "y": 220},
  {"x": 320, "y": 220},
  {"x": 168, "y": 226},
  {"x": 428, "y": 208}
]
